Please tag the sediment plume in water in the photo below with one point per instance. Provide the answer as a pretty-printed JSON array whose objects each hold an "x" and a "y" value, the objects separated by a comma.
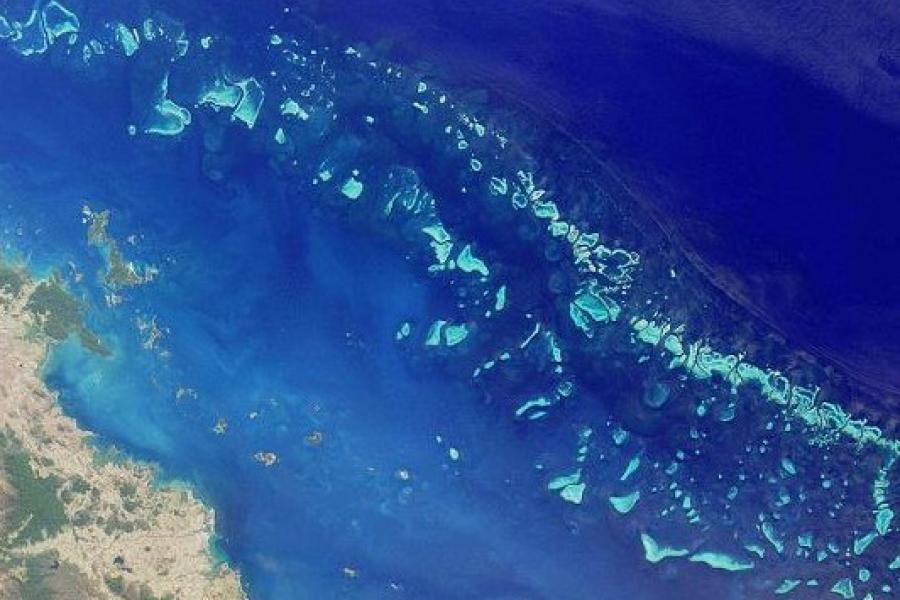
[{"x": 712, "y": 442}]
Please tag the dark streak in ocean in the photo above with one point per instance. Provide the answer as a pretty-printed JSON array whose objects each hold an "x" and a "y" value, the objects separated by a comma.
[{"x": 753, "y": 132}]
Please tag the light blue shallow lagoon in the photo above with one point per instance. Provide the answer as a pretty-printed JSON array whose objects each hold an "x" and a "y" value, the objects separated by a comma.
[{"x": 407, "y": 340}]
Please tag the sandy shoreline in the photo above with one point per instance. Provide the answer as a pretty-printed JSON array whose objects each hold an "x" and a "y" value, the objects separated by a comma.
[{"x": 72, "y": 524}]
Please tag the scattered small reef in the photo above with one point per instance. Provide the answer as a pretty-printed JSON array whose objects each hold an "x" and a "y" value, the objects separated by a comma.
[
  {"x": 75, "y": 523},
  {"x": 716, "y": 444}
]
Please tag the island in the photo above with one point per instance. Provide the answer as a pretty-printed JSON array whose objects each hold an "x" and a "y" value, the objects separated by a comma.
[{"x": 77, "y": 522}]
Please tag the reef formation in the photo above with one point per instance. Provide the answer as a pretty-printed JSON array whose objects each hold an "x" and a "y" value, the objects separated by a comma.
[{"x": 715, "y": 443}]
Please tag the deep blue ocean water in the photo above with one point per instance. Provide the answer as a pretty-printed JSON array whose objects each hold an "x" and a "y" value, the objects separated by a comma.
[
  {"x": 780, "y": 181},
  {"x": 281, "y": 315},
  {"x": 273, "y": 314}
]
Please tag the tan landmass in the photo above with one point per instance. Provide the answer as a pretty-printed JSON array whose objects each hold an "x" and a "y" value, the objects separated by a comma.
[
  {"x": 74, "y": 524},
  {"x": 120, "y": 272}
]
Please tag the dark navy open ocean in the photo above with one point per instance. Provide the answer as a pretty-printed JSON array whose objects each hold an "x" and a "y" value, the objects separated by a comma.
[{"x": 445, "y": 300}]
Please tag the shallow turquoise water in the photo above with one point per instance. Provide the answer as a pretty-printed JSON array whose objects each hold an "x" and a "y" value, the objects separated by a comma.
[{"x": 560, "y": 449}]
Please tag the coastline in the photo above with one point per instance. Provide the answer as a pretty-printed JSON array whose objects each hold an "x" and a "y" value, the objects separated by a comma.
[{"x": 71, "y": 520}]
